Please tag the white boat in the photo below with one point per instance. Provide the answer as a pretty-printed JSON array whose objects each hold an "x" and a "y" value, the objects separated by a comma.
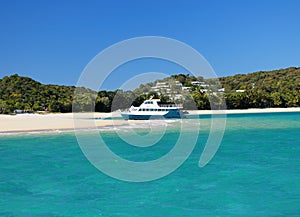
[{"x": 152, "y": 109}]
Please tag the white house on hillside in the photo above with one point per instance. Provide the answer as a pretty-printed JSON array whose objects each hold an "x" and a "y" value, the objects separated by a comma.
[{"x": 197, "y": 83}]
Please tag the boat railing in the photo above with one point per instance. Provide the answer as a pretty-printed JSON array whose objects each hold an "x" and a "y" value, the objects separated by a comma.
[{"x": 170, "y": 105}]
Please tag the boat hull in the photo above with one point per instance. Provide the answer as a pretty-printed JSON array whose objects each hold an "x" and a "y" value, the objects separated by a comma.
[{"x": 175, "y": 114}]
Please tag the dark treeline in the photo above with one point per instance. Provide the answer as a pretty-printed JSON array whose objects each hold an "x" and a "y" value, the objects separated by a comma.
[
  {"x": 23, "y": 93},
  {"x": 277, "y": 88}
]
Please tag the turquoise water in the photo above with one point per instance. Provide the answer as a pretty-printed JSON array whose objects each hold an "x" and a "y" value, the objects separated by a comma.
[{"x": 256, "y": 172}]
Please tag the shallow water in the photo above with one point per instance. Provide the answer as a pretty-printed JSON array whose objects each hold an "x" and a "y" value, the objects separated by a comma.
[{"x": 256, "y": 172}]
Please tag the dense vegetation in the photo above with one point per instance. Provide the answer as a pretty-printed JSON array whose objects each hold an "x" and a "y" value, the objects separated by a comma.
[
  {"x": 26, "y": 94},
  {"x": 278, "y": 88},
  {"x": 23, "y": 93}
]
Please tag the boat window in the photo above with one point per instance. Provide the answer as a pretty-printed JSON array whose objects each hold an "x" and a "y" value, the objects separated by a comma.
[
  {"x": 159, "y": 110},
  {"x": 155, "y": 110},
  {"x": 151, "y": 109},
  {"x": 147, "y": 109}
]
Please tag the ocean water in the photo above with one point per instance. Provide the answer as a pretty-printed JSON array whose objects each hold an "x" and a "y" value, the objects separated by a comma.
[{"x": 255, "y": 172}]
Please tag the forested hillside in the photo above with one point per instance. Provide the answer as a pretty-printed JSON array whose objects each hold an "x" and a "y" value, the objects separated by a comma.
[
  {"x": 265, "y": 89},
  {"x": 24, "y": 93},
  {"x": 278, "y": 88}
]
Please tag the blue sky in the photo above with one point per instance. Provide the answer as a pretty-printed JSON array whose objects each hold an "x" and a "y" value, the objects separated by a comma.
[{"x": 52, "y": 41}]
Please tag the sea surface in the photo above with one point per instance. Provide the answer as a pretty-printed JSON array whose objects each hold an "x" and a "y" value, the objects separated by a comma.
[{"x": 255, "y": 172}]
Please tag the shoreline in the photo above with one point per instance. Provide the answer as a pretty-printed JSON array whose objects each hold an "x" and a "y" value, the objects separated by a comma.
[
  {"x": 58, "y": 122},
  {"x": 245, "y": 111}
]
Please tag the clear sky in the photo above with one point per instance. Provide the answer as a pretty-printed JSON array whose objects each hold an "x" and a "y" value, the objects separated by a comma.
[{"x": 52, "y": 41}]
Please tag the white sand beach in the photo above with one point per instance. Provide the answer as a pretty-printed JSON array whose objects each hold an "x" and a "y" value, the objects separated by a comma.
[{"x": 51, "y": 122}]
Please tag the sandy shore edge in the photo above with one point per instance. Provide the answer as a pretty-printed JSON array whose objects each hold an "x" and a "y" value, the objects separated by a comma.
[
  {"x": 246, "y": 111},
  {"x": 59, "y": 122},
  {"x": 15, "y": 124}
]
